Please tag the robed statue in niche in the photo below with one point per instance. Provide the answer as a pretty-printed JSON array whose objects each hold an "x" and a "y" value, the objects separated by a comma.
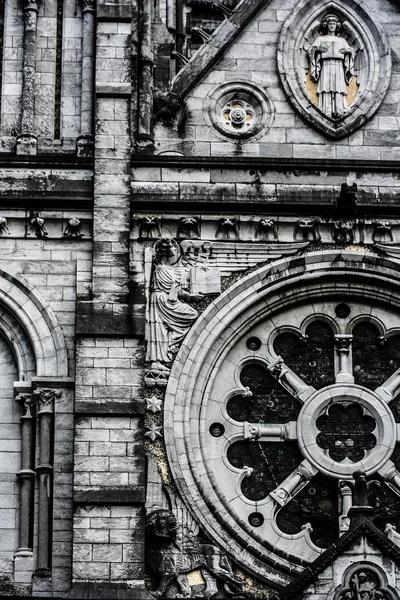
[
  {"x": 332, "y": 52},
  {"x": 169, "y": 316}
]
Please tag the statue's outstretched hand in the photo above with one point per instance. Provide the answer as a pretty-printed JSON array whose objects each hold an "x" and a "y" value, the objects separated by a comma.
[{"x": 195, "y": 297}]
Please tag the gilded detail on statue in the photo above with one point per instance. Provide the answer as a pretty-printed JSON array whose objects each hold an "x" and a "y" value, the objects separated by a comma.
[{"x": 332, "y": 66}]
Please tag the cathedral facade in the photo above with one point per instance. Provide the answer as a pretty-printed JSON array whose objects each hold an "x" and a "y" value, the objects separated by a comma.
[{"x": 200, "y": 299}]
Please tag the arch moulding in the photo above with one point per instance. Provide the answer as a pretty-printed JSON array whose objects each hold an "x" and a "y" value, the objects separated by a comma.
[{"x": 21, "y": 301}]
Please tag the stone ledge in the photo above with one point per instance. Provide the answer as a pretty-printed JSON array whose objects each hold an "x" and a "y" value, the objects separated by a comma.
[
  {"x": 107, "y": 591},
  {"x": 110, "y": 496},
  {"x": 109, "y": 407}
]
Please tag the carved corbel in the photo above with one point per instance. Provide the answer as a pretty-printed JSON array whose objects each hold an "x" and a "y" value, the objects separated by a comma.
[
  {"x": 343, "y": 232},
  {"x": 307, "y": 230},
  {"x": 73, "y": 228},
  {"x": 266, "y": 230},
  {"x": 149, "y": 227},
  {"x": 37, "y": 224},
  {"x": 188, "y": 228},
  {"x": 227, "y": 229},
  {"x": 382, "y": 232},
  {"x": 3, "y": 226}
]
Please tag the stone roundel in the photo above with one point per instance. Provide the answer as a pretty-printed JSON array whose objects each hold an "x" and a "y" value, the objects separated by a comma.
[
  {"x": 239, "y": 110},
  {"x": 346, "y": 395}
]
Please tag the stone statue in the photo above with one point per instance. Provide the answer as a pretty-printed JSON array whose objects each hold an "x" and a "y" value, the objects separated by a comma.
[
  {"x": 332, "y": 67},
  {"x": 169, "y": 316},
  {"x": 173, "y": 550},
  {"x": 364, "y": 585}
]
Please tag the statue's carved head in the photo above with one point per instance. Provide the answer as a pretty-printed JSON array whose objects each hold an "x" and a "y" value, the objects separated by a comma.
[
  {"x": 331, "y": 23},
  {"x": 161, "y": 523}
]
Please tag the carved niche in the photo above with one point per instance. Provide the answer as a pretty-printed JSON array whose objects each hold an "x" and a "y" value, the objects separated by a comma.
[{"x": 334, "y": 62}]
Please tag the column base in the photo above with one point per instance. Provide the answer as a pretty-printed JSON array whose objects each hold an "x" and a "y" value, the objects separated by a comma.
[
  {"x": 84, "y": 146},
  {"x": 27, "y": 144},
  {"x": 23, "y": 566}
]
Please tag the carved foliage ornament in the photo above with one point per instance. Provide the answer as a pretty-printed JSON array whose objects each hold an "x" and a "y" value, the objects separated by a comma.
[
  {"x": 239, "y": 110},
  {"x": 334, "y": 62}
]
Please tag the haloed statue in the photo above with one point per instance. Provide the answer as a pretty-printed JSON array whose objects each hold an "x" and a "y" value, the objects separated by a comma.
[{"x": 332, "y": 62}]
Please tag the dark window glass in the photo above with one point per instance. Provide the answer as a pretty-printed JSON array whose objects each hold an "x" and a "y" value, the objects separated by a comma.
[
  {"x": 374, "y": 360},
  {"x": 271, "y": 463},
  {"x": 311, "y": 359},
  {"x": 270, "y": 402},
  {"x": 317, "y": 504}
]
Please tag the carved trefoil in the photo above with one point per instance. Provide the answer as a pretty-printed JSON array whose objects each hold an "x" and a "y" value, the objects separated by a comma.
[{"x": 335, "y": 65}]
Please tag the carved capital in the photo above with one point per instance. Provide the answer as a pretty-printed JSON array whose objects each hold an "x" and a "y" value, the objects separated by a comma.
[
  {"x": 30, "y": 5},
  {"x": 45, "y": 398},
  {"x": 88, "y": 5},
  {"x": 26, "y": 402},
  {"x": 343, "y": 343}
]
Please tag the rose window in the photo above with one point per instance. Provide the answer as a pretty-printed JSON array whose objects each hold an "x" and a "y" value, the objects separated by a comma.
[
  {"x": 238, "y": 115},
  {"x": 303, "y": 402}
]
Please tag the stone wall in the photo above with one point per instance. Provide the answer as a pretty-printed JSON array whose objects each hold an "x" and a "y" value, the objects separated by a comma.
[{"x": 252, "y": 58}]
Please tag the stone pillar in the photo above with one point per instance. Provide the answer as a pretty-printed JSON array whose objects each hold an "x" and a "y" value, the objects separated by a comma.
[
  {"x": 45, "y": 400},
  {"x": 146, "y": 65},
  {"x": 26, "y": 475},
  {"x": 27, "y": 140},
  {"x": 85, "y": 140},
  {"x": 343, "y": 348}
]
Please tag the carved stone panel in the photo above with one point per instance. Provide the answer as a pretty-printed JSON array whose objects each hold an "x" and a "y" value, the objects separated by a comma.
[{"x": 335, "y": 65}]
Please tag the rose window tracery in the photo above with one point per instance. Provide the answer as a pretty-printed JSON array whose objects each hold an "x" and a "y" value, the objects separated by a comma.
[
  {"x": 308, "y": 412},
  {"x": 346, "y": 432},
  {"x": 286, "y": 386},
  {"x": 238, "y": 115}
]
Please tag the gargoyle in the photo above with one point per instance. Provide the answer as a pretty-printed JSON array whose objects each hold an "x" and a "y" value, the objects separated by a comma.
[{"x": 169, "y": 108}]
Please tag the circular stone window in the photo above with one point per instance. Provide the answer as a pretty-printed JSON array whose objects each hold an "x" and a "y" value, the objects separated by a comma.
[
  {"x": 269, "y": 418},
  {"x": 239, "y": 110}
]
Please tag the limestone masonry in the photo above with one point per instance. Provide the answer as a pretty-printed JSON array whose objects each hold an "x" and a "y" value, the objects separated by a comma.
[{"x": 200, "y": 299}]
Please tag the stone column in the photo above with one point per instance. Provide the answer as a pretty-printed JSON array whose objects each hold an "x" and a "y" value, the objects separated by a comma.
[
  {"x": 85, "y": 140},
  {"x": 146, "y": 65},
  {"x": 26, "y": 475},
  {"x": 27, "y": 140},
  {"x": 343, "y": 348},
  {"x": 45, "y": 401}
]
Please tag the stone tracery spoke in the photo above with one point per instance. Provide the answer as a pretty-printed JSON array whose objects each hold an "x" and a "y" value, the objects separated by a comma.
[
  {"x": 294, "y": 483},
  {"x": 290, "y": 381},
  {"x": 390, "y": 388}
]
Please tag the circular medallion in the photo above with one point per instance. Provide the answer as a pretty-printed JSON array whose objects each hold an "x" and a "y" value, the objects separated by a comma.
[{"x": 345, "y": 428}]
